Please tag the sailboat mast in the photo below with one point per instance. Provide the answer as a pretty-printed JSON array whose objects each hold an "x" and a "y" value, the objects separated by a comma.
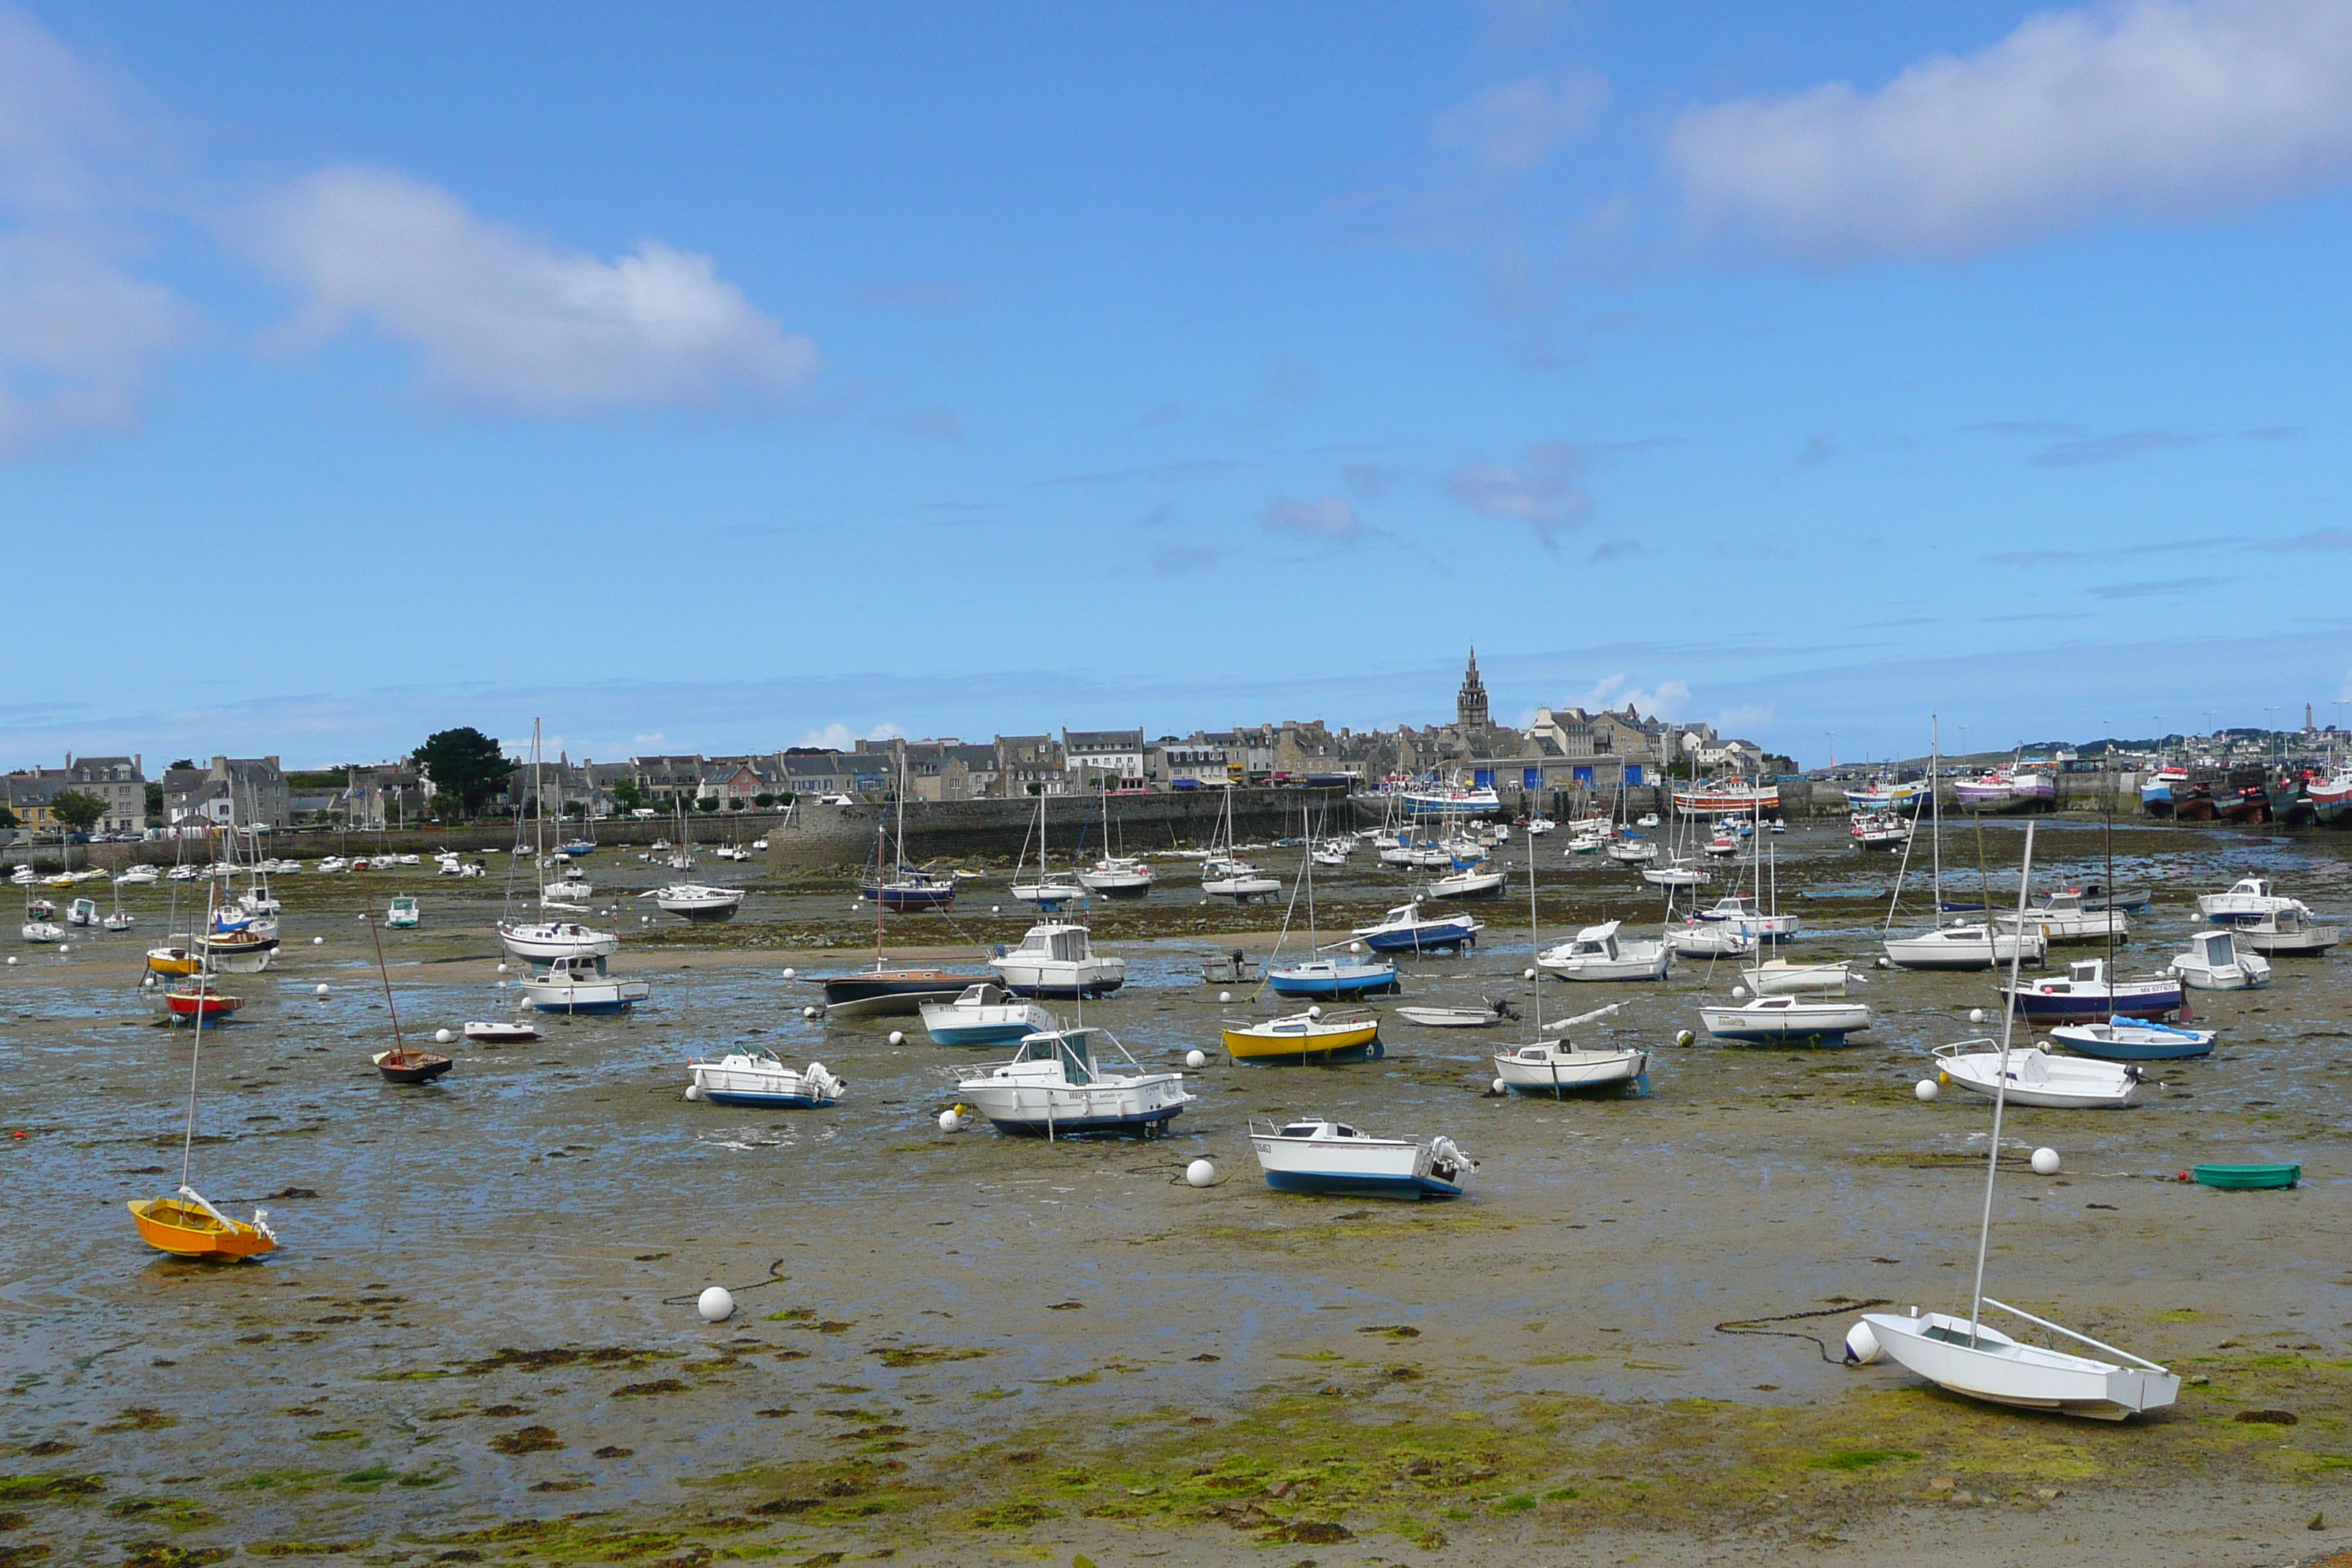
[
  {"x": 1936, "y": 811},
  {"x": 196, "y": 1052},
  {"x": 2000, "y": 1087}
]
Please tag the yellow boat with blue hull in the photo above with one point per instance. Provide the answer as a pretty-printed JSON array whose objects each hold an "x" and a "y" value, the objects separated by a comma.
[{"x": 1307, "y": 1036}]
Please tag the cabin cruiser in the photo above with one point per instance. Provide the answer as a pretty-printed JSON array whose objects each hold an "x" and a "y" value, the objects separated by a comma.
[
  {"x": 1598, "y": 952},
  {"x": 1405, "y": 929},
  {"x": 1054, "y": 1088},
  {"x": 1057, "y": 958},
  {"x": 546, "y": 942}
]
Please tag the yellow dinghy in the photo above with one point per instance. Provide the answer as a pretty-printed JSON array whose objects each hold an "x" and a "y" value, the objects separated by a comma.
[
  {"x": 174, "y": 960},
  {"x": 188, "y": 1227},
  {"x": 1307, "y": 1036}
]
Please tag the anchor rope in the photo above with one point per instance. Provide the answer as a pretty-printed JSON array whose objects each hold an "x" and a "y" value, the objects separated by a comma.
[{"x": 1747, "y": 1325}]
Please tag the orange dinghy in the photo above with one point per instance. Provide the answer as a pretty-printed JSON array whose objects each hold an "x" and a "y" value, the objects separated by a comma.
[{"x": 189, "y": 1227}]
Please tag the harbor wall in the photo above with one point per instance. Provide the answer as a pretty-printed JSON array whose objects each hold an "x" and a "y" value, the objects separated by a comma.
[{"x": 836, "y": 836}]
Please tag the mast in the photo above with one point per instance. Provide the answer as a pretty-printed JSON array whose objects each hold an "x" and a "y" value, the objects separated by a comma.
[
  {"x": 1936, "y": 813},
  {"x": 2000, "y": 1087}
]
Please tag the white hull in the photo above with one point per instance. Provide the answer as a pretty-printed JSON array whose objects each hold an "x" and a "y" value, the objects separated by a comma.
[
  {"x": 1556, "y": 1067},
  {"x": 1328, "y": 1157},
  {"x": 1965, "y": 947},
  {"x": 2037, "y": 1077},
  {"x": 1993, "y": 1367},
  {"x": 1778, "y": 977},
  {"x": 1772, "y": 1018},
  {"x": 549, "y": 941}
]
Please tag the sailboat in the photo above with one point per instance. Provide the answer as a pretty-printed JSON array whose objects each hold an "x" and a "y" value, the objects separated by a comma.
[
  {"x": 1558, "y": 1065},
  {"x": 185, "y": 1224},
  {"x": 895, "y": 885},
  {"x": 1963, "y": 944},
  {"x": 1048, "y": 891},
  {"x": 400, "y": 1063},
  {"x": 1962, "y": 1356},
  {"x": 882, "y": 990},
  {"x": 700, "y": 903},
  {"x": 1338, "y": 975},
  {"x": 1114, "y": 876},
  {"x": 545, "y": 942},
  {"x": 1224, "y": 876}
]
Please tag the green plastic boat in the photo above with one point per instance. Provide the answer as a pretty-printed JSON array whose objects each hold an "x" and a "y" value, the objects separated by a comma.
[{"x": 2241, "y": 1178}]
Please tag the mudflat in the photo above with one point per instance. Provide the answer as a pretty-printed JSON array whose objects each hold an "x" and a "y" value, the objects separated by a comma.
[{"x": 477, "y": 1340}]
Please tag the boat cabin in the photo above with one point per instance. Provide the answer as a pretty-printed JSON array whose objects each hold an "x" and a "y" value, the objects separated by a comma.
[
  {"x": 1071, "y": 1048},
  {"x": 987, "y": 993},
  {"x": 576, "y": 967},
  {"x": 1599, "y": 941},
  {"x": 1323, "y": 1130},
  {"x": 2214, "y": 949},
  {"x": 1059, "y": 944}
]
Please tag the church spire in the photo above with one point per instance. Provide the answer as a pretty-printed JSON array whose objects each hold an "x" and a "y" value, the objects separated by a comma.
[{"x": 1470, "y": 703}]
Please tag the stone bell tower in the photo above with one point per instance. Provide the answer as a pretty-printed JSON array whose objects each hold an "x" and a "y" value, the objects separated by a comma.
[{"x": 1470, "y": 703}]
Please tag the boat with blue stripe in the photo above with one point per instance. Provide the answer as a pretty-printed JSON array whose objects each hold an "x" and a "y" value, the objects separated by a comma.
[
  {"x": 1333, "y": 977},
  {"x": 1405, "y": 929},
  {"x": 1319, "y": 1155}
]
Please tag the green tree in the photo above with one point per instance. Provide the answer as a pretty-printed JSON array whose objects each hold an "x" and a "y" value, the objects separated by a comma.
[
  {"x": 465, "y": 765},
  {"x": 155, "y": 803},
  {"x": 628, "y": 796},
  {"x": 78, "y": 811},
  {"x": 8, "y": 818},
  {"x": 764, "y": 801}
]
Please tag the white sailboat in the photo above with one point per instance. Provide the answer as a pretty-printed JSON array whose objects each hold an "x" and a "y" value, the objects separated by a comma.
[{"x": 1959, "y": 1353}]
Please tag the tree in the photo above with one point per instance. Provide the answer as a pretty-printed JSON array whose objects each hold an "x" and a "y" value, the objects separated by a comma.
[
  {"x": 185, "y": 763},
  {"x": 764, "y": 801},
  {"x": 465, "y": 765},
  {"x": 8, "y": 818},
  {"x": 78, "y": 811},
  {"x": 707, "y": 802},
  {"x": 155, "y": 803},
  {"x": 627, "y": 794}
]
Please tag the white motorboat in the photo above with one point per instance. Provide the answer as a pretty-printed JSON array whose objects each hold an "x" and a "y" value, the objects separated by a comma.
[
  {"x": 1677, "y": 872},
  {"x": 579, "y": 982},
  {"x": 549, "y": 942},
  {"x": 760, "y": 1078},
  {"x": 2087, "y": 993},
  {"x": 512, "y": 1032},
  {"x": 82, "y": 912},
  {"x": 2034, "y": 1077},
  {"x": 1540, "y": 825},
  {"x": 2064, "y": 917},
  {"x": 2214, "y": 963},
  {"x": 1985, "y": 1364},
  {"x": 2288, "y": 933},
  {"x": 1964, "y": 945},
  {"x": 138, "y": 877},
  {"x": 1317, "y": 1155},
  {"x": 571, "y": 890},
  {"x": 1789, "y": 977},
  {"x": 118, "y": 920},
  {"x": 1598, "y": 952},
  {"x": 2248, "y": 900},
  {"x": 1055, "y": 1088},
  {"x": 1117, "y": 877},
  {"x": 1468, "y": 883},
  {"x": 985, "y": 1014},
  {"x": 405, "y": 913},
  {"x": 700, "y": 902},
  {"x": 1647, "y": 819},
  {"x": 1742, "y": 910},
  {"x": 1057, "y": 958},
  {"x": 1632, "y": 852},
  {"x": 1788, "y": 1019},
  {"x": 1696, "y": 938},
  {"x": 43, "y": 931}
]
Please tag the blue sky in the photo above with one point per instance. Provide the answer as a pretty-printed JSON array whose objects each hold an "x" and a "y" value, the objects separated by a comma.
[{"x": 721, "y": 378}]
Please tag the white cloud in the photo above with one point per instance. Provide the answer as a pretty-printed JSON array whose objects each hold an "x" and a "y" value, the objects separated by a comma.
[
  {"x": 840, "y": 738},
  {"x": 1330, "y": 519},
  {"x": 1540, "y": 492},
  {"x": 78, "y": 331},
  {"x": 506, "y": 319},
  {"x": 2165, "y": 109},
  {"x": 1520, "y": 124},
  {"x": 1611, "y": 691}
]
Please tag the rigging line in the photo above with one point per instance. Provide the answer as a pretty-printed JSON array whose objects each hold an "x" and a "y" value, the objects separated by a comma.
[{"x": 776, "y": 1275}]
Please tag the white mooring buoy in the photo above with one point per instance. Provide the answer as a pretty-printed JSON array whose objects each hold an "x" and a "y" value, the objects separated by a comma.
[
  {"x": 2045, "y": 1161},
  {"x": 1200, "y": 1174},
  {"x": 716, "y": 1304},
  {"x": 1925, "y": 1088},
  {"x": 1196, "y": 1058},
  {"x": 949, "y": 1120}
]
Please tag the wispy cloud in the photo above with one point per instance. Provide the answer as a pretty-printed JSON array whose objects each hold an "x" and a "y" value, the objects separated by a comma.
[
  {"x": 508, "y": 321},
  {"x": 1329, "y": 520},
  {"x": 2168, "y": 111},
  {"x": 80, "y": 332},
  {"x": 2318, "y": 539},
  {"x": 1164, "y": 473},
  {"x": 2112, "y": 448},
  {"x": 2169, "y": 588},
  {"x": 1615, "y": 550},
  {"x": 1540, "y": 491},
  {"x": 1517, "y": 125}
]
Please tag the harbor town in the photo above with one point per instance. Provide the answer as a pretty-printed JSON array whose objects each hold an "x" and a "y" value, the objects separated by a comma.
[
  {"x": 1434, "y": 1143},
  {"x": 1512, "y": 784}
]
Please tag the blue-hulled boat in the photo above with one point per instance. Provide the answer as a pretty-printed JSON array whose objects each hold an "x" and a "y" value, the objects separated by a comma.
[
  {"x": 1335, "y": 977},
  {"x": 760, "y": 1078},
  {"x": 2135, "y": 1040},
  {"x": 985, "y": 1014},
  {"x": 1319, "y": 1155},
  {"x": 912, "y": 889},
  {"x": 1406, "y": 928}
]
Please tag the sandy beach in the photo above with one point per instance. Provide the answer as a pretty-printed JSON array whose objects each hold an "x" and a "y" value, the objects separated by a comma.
[{"x": 477, "y": 1343}]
